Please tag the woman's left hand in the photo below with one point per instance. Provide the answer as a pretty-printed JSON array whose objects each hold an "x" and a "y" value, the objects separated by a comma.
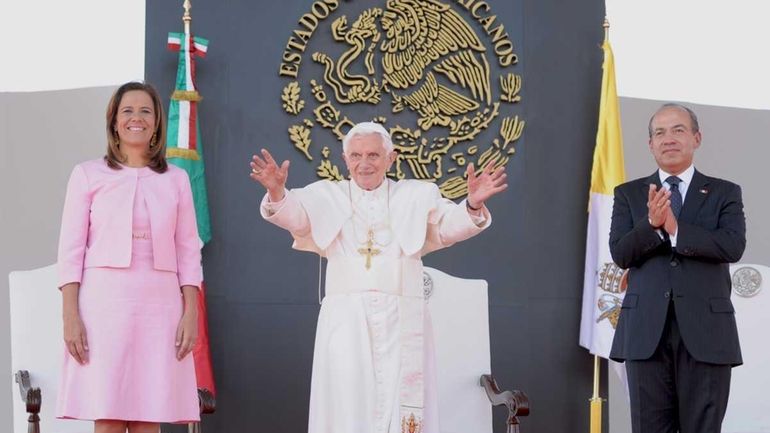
[{"x": 186, "y": 334}]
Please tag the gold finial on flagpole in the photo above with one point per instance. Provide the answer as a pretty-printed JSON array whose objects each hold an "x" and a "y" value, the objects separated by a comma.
[
  {"x": 187, "y": 18},
  {"x": 606, "y": 26}
]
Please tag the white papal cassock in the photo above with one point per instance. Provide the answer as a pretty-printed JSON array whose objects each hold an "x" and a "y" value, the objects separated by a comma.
[{"x": 373, "y": 361}]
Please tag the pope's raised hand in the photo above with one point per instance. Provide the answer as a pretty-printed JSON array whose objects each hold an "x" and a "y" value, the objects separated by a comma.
[
  {"x": 267, "y": 172},
  {"x": 489, "y": 182}
]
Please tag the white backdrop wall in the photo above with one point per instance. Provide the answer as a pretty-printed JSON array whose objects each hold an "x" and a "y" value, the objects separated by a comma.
[
  {"x": 54, "y": 45},
  {"x": 704, "y": 52}
]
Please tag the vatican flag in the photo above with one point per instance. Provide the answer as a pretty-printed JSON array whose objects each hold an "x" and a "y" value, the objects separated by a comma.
[
  {"x": 603, "y": 286},
  {"x": 603, "y": 282}
]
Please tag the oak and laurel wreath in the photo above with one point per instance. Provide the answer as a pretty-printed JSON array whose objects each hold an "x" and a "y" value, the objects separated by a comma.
[
  {"x": 291, "y": 98},
  {"x": 300, "y": 136}
]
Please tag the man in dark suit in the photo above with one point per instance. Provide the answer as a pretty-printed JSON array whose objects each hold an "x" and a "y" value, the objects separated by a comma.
[{"x": 676, "y": 232}]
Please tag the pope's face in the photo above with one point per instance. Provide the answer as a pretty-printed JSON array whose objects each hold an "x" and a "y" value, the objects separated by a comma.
[
  {"x": 367, "y": 160},
  {"x": 673, "y": 141}
]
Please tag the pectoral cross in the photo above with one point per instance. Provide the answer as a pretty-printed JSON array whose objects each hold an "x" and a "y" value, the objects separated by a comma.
[{"x": 369, "y": 251}]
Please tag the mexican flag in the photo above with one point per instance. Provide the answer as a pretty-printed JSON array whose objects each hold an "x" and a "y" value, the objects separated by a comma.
[{"x": 184, "y": 150}]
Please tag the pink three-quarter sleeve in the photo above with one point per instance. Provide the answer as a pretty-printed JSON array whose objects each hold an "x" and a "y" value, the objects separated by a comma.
[
  {"x": 75, "y": 221},
  {"x": 188, "y": 243}
]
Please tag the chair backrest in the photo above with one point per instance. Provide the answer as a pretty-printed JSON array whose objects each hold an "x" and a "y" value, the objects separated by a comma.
[
  {"x": 460, "y": 314},
  {"x": 37, "y": 346},
  {"x": 748, "y": 410}
]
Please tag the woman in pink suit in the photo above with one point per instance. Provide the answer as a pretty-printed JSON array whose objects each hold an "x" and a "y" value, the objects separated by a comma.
[{"x": 129, "y": 268}]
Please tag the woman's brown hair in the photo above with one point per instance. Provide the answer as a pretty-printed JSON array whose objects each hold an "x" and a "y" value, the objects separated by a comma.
[{"x": 157, "y": 151}]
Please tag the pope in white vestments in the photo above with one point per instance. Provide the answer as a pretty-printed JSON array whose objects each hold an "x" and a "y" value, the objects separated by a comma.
[{"x": 373, "y": 366}]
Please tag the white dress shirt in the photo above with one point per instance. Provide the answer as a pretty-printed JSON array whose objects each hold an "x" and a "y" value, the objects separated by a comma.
[{"x": 686, "y": 180}]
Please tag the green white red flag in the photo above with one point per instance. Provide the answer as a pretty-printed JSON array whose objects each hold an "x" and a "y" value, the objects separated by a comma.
[{"x": 185, "y": 150}]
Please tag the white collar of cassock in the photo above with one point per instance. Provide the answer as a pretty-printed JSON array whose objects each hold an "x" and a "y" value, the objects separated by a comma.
[{"x": 379, "y": 193}]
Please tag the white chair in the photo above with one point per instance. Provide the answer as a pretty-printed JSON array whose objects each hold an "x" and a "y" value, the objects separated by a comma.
[
  {"x": 36, "y": 346},
  {"x": 36, "y": 354},
  {"x": 748, "y": 410},
  {"x": 460, "y": 313}
]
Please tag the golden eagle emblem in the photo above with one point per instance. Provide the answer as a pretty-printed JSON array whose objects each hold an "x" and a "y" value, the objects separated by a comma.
[
  {"x": 421, "y": 40},
  {"x": 412, "y": 56}
]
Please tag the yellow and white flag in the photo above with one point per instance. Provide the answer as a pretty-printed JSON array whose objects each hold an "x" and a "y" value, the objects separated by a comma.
[{"x": 603, "y": 289}]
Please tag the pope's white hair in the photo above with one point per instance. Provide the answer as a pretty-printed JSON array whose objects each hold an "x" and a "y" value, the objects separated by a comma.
[{"x": 366, "y": 128}]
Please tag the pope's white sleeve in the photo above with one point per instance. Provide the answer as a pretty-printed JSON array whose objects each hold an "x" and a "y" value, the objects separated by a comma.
[
  {"x": 287, "y": 214},
  {"x": 449, "y": 223}
]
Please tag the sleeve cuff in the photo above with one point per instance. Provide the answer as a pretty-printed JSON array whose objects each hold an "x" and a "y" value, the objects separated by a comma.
[
  {"x": 195, "y": 282},
  {"x": 270, "y": 208},
  {"x": 479, "y": 220},
  {"x": 65, "y": 278}
]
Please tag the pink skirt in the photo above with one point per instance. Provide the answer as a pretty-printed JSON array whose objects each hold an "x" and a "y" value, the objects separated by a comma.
[{"x": 131, "y": 317}]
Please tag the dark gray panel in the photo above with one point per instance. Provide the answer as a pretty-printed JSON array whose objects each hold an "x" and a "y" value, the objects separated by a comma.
[
  {"x": 262, "y": 374},
  {"x": 532, "y": 256}
]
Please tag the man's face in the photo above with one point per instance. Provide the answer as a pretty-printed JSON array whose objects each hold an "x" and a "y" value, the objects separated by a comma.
[
  {"x": 673, "y": 142},
  {"x": 367, "y": 160}
]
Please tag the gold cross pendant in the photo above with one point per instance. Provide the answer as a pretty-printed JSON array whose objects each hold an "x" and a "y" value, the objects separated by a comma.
[{"x": 369, "y": 251}]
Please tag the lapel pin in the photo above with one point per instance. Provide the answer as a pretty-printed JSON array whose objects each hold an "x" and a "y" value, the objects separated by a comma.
[{"x": 704, "y": 191}]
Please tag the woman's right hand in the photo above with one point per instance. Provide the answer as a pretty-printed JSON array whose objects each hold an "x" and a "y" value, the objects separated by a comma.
[
  {"x": 74, "y": 330},
  {"x": 75, "y": 338}
]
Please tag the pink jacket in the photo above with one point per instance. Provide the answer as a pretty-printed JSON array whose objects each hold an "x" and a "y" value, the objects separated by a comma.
[{"x": 96, "y": 228}]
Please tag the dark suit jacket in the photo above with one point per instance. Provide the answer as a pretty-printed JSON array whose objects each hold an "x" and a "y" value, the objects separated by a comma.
[{"x": 711, "y": 234}]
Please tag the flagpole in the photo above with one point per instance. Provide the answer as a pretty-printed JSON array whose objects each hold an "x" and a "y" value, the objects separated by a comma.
[
  {"x": 187, "y": 18},
  {"x": 606, "y": 26},
  {"x": 184, "y": 151},
  {"x": 596, "y": 400}
]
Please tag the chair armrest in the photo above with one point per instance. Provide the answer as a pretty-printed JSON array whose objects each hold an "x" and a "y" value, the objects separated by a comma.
[
  {"x": 207, "y": 404},
  {"x": 31, "y": 398},
  {"x": 516, "y": 401},
  {"x": 206, "y": 401},
  {"x": 29, "y": 395}
]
